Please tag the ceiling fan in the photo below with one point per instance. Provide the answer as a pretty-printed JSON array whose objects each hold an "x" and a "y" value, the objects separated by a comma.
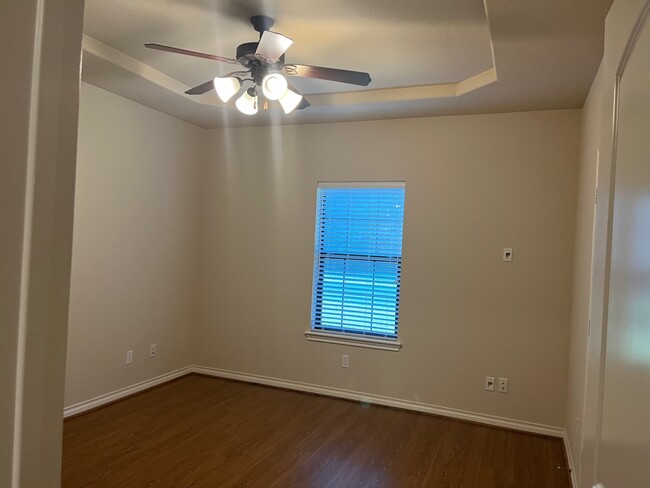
[{"x": 265, "y": 66}]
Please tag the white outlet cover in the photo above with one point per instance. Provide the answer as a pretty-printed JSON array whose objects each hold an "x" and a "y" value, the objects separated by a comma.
[
  {"x": 507, "y": 254},
  {"x": 503, "y": 385}
]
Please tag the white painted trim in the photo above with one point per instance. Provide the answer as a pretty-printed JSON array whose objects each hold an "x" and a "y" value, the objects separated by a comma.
[
  {"x": 569, "y": 459},
  {"x": 480, "y": 418},
  {"x": 124, "y": 392},
  {"x": 354, "y": 341},
  {"x": 477, "y": 81},
  {"x": 362, "y": 184},
  {"x": 385, "y": 401},
  {"x": 489, "y": 26},
  {"x": 118, "y": 58},
  {"x": 407, "y": 93}
]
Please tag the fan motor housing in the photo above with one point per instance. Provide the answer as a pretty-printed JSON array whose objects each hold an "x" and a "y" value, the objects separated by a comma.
[
  {"x": 246, "y": 56},
  {"x": 246, "y": 53}
]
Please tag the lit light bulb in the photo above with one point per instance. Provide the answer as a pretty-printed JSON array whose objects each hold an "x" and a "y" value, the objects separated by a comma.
[
  {"x": 289, "y": 101},
  {"x": 274, "y": 86},
  {"x": 247, "y": 103},
  {"x": 226, "y": 87}
]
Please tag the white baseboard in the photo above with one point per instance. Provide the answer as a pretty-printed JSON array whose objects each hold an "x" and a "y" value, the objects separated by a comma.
[
  {"x": 386, "y": 401},
  {"x": 123, "y": 392},
  {"x": 328, "y": 391},
  {"x": 569, "y": 459}
]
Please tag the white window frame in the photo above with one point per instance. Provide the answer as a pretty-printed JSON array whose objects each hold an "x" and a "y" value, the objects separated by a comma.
[{"x": 350, "y": 339}]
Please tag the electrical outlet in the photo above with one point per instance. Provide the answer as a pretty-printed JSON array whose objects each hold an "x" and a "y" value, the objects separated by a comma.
[
  {"x": 489, "y": 383},
  {"x": 345, "y": 361},
  {"x": 503, "y": 385},
  {"x": 152, "y": 351},
  {"x": 129, "y": 357}
]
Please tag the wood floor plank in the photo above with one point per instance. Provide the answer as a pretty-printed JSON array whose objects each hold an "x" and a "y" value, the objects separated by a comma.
[{"x": 200, "y": 432}]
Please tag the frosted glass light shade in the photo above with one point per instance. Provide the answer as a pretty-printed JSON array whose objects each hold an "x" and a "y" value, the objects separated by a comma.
[
  {"x": 247, "y": 104},
  {"x": 290, "y": 101},
  {"x": 274, "y": 86},
  {"x": 226, "y": 87}
]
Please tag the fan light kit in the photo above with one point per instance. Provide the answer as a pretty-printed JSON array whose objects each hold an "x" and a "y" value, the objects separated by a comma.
[
  {"x": 247, "y": 103},
  {"x": 274, "y": 86},
  {"x": 227, "y": 87},
  {"x": 265, "y": 72}
]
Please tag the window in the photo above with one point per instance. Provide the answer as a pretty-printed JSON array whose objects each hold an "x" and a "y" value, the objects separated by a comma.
[{"x": 358, "y": 262}]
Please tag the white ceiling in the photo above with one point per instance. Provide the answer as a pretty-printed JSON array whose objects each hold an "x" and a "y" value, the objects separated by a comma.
[{"x": 523, "y": 54}]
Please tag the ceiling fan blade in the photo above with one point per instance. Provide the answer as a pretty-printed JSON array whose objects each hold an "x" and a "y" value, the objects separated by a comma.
[
  {"x": 331, "y": 74},
  {"x": 271, "y": 46},
  {"x": 186, "y": 52},
  {"x": 201, "y": 89}
]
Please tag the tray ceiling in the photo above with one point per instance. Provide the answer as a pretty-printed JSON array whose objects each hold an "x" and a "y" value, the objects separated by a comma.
[{"x": 425, "y": 57}]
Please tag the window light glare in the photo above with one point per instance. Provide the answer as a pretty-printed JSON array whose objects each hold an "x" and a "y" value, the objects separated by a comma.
[
  {"x": 247, "y": 103},
  {"x": 289, "y": 101},
  {"x": 226, "y": 87},
  {"x": 274, "y": 86}
]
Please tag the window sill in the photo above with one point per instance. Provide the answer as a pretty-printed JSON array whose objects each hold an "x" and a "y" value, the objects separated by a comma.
[{"x": 356, "y": 341}]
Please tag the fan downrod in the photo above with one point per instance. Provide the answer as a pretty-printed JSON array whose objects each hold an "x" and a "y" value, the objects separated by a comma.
[{"x": 262, "y": 23}]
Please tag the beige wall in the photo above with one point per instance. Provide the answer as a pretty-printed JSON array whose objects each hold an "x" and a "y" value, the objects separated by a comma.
[
  {"x": 135, "y": 240},
  {"x": 14, "y": 136},
  {"x": 597, "y": 136},
  {"x": 474, "y": 184},
  {"x": 587, "y": 173},
  {"x": 625, "y": 434},
  {"x": 606, "y": 323},
  {"x": 38, "y": 133}
]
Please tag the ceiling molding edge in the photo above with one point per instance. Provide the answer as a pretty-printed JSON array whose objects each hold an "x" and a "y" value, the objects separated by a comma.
[
  {"x": 111, "y": 55},
  {"x": 382, "y": 95},
  {"x": 405, "y": 94}
]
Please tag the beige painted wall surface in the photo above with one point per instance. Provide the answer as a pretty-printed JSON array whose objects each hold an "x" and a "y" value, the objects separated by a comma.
[
  {"x": 625, "y": 435},
  {"x": 582, "y": 267},
  {"x": 618, "y": 26},
  {"x": 40, "y": 93},
  {"x": 135, "y": 238},
  {"x": 14, "y": 136},
  {"x": 474, "y": 185}
]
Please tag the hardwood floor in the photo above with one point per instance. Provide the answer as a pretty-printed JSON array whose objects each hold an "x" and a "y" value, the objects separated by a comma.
[{"x": 207, "y": 432}]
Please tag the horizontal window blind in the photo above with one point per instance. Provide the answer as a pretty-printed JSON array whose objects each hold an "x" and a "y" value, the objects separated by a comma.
[{"x": 358, "y": 259}]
